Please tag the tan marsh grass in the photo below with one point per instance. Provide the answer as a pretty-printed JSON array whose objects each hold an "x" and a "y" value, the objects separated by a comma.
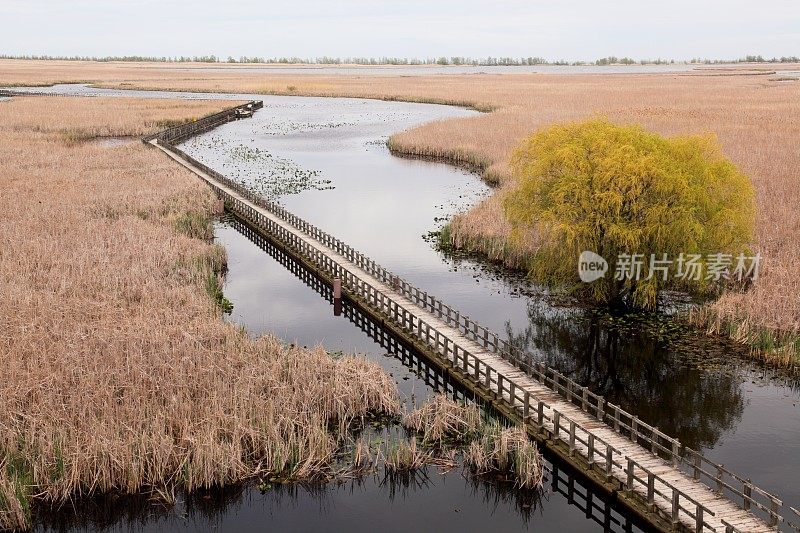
[
  {"x": 508, "y": 451},
  {"x": 442, "y": 419},
  {"x": 118, "y": 374}
]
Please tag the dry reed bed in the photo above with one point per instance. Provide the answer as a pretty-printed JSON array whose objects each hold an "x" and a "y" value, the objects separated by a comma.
[
  {"x": 441, "y": 419},
  {"x": 118, "y": 374},
  {"x": 75, "y": 119},
  {"x": 757, "y": 121},
  {"x": 443, "y": 425}
]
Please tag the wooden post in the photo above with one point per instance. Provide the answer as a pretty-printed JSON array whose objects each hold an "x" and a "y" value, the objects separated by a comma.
[
  {"x": 571, "y": 437},
  {"x": 676, "y": 452},
  {"x": 676, "y": 506},
  {"x": 609, "y": 461},
  {"x": 696, "y": 464},
  {"x": 773, "y": 512},
  {"x": 526, "y": 408},
  {"x": 337, "y": 296},
  {"x": 698, "y": 524},
  {"x": 629, "y": 485},
  {"x": 556, "y": 423},
  {"x": 590, "y": 452},
  {"x": 747, "y": 492}
]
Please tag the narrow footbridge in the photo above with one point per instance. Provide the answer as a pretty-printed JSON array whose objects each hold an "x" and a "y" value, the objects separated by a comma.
[{"x": 665, "y": 483}]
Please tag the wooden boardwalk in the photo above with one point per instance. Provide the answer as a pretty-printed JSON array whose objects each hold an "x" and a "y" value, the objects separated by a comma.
[{"x": 651, "y": 473}]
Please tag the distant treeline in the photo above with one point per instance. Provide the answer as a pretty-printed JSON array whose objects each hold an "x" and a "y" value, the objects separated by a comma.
[
  {"x": 749, "y": 59},
  {"x": 453, "y": 60}
]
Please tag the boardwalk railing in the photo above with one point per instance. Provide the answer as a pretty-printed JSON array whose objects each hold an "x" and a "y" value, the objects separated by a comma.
[
  {"x": 600, "y": 454},
  {"x": 178, "y": 134}
]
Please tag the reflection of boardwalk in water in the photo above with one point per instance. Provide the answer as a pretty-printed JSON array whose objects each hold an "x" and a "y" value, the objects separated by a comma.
[
  {"x": 649, "y": 471},
  {"x": 395, "y": 346},
  {"x": 596, "y": 507}
]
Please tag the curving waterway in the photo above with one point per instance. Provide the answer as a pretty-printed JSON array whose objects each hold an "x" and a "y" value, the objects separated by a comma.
[{"x": 326, "y": 160}]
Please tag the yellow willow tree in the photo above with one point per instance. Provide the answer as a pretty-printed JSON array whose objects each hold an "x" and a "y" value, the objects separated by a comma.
[{"x": 611, "y": 189}]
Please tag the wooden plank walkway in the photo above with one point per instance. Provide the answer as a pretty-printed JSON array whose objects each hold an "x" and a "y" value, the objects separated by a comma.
[{"x": 659, "y": 485}]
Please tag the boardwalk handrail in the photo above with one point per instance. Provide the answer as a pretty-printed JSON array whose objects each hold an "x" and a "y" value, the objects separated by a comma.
[
  {"x": 748, "y": 495},
  {"x": 179, "y": 133}
]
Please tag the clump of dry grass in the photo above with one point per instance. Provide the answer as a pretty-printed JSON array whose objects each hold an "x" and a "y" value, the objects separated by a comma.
[
  {"x": 404, "y": 457},
  {"x": 506, "y": 451},
  {"x": 118, "y": 375},
  {"x": 444, "y": 432},
  {"x": 490, "y": 448},
  {"x": 14, "y": 506},
  {"x": 363, "y": 458},
  {"x": 485, "y": 229},
  {"x": 441, "y": 420}
]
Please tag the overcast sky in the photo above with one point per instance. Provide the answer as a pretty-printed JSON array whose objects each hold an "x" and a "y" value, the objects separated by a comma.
[{"x": 554, "y": 29}]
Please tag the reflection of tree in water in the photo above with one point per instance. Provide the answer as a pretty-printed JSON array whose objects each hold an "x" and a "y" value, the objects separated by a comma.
[{"x": 630, "y": 367}]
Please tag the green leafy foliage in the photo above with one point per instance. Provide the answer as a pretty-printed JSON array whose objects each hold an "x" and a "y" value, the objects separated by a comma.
[{"x": 615, "y": 190}]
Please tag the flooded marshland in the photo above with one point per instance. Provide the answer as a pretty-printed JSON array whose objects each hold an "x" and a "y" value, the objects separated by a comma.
[{"x": 326, "y": 160}]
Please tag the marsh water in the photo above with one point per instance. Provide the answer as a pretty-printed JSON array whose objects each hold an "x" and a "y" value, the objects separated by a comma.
[{"x": 326, "y": 160}]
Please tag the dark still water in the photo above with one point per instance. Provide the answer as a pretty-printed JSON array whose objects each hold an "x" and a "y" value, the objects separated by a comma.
[
  {"x": 326, "y": 160},
  {"x": 430, "y": 502}
]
